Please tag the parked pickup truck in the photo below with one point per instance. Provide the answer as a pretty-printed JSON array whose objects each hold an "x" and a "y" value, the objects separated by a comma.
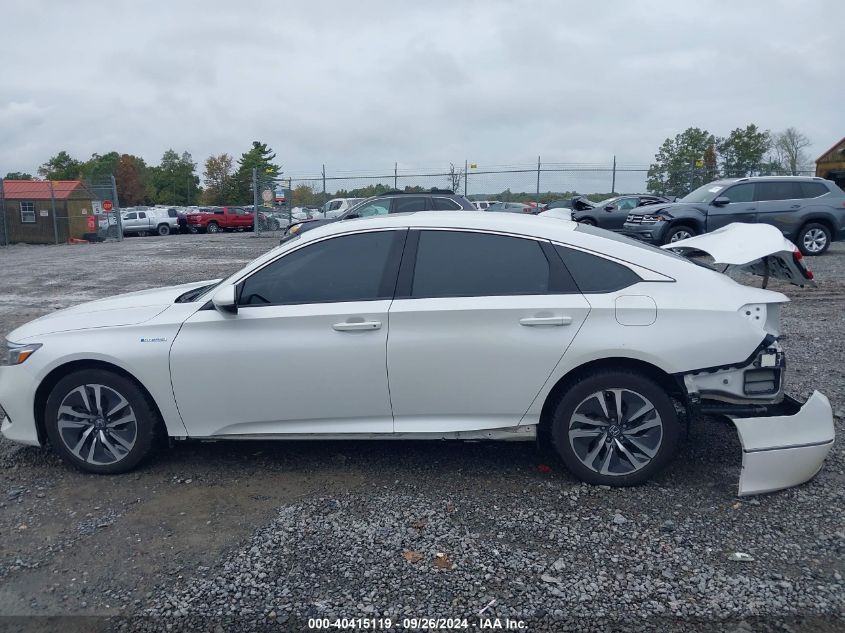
[
  {"x": 808, "y": 211},
  {"x": 149, "y": 220},
  {"x": 217, "y": 219}
]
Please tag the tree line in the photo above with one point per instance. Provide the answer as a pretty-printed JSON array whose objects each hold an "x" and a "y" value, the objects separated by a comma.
[
  {"x": 695, "y": 157},
  {"x": 174, "y": 181}
]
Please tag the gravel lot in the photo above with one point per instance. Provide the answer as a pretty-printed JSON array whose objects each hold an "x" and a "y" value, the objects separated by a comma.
[{"x": 262, "y": 536}]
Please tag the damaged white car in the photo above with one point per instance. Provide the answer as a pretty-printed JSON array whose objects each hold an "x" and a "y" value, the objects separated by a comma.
[{"x": 429, "y": 326}]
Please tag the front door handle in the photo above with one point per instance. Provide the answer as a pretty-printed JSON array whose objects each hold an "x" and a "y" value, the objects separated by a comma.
[
  {"x": 558, "y": 320},
  {"x": 355, "y": 326}
]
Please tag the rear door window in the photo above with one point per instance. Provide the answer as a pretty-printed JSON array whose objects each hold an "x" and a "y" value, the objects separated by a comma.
[
  {"x": 778, "y": 190},
  {"x": 409, "y": 204},
  {"x": 445, "y": 204},
  {"x": 468, "y": 264}
]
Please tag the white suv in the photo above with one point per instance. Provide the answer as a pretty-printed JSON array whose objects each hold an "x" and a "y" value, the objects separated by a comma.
[{"x": 336, "y": 206}]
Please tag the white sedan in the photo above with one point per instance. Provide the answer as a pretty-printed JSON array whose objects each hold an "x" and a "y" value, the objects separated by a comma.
[{"x": 428, "y": 326}]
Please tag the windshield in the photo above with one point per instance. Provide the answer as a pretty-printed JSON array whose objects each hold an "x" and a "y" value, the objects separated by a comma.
[{"x": 705, "y": 194}]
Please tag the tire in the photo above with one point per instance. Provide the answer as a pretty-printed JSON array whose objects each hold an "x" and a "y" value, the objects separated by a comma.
[
  {"x": 813, "y": 239},
  {"x": 115, "y": 447},
  {"x": 163, "y": 229},
  {"x": 194, "y": 229},
  {"x": 592, "y": 452},
  {"x": 679, "y": 232},
  {"x": 588, "y": 222},
  {"x": 212, "y": 227}
]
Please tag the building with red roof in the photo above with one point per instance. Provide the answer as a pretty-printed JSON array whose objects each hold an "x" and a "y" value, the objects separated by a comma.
[{"x": 44, "y": 211}]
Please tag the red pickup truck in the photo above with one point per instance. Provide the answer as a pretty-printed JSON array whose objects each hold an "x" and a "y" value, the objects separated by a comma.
[{"x": 218, "y": 219}]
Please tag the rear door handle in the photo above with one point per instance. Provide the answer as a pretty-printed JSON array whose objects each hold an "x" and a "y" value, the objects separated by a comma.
[
  {"x": 355, "y": 326},
  {"x": 559, "y": 320}
]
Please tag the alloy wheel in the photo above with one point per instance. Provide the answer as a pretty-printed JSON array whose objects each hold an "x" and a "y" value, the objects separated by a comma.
[
  {"x": 97, "y": 424},
  {"x": 615, "y": 432},
  {"x": 815, "y": 240},
  {"x": 680, "y": 235}
]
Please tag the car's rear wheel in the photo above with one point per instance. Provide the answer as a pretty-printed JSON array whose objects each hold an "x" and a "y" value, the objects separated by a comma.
[
  {"x": 680, "y": 232},
  {"x": 615, "y": 428},
  {"x": 163, "y": 229},
  {"x": 813, "y": 239},
  {"x": 212, "y": 227},
  {"x": 100, "y": 421}
]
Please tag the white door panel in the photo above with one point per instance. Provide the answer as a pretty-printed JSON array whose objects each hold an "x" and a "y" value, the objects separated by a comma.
[
  {"x": 316, "y": 368},
  {"x": 459, "y": 364}
]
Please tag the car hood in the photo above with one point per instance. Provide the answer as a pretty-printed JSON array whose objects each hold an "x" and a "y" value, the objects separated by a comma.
[
  {"x": 126, "y": 309},
  {"x": 759, "y": 249}
]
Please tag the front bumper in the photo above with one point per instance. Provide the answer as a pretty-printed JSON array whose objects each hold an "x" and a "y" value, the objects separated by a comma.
[
  {"x": 17, "y": 395},
  {"x": 651, "y": 233},
  {"x": 787, "y": 449}
]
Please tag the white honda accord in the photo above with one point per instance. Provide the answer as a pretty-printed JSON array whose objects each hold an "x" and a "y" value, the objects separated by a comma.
[{"x": 429, "y": 326}]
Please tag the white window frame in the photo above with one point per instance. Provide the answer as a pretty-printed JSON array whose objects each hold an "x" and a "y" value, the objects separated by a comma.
[{"x": 31, "y": 212}]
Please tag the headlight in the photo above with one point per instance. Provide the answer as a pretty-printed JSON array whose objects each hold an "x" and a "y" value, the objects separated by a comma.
[
  {"x": 651, "y": 219},
  {"x": 15, "y": 354},
  {"x": 294, "y": 228}
]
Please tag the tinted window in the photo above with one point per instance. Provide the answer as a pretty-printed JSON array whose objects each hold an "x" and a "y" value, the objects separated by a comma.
[
  {"x": 445, "y": 204},
  {"x": 778, "y": 190},
  {"x": 142, "y": 215},
  {"x": 813, "y": 189},
  {"x": 595, "y": 274},
  {"x": 130, "y": 216},
  {"x": 347, "y": 268},
  {"x": 741, "y": 193},
  {"x": 409, "y": 204},
  {"x": 335, "y": 205},
  {"x": 171, "y": 213},
  {"x": 462, "y": 264}
]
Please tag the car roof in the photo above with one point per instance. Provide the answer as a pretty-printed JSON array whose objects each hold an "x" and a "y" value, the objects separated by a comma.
[{"x": 529, "y": 225}]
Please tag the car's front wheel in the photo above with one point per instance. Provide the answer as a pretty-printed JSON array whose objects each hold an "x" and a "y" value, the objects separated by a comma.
[
  {"x": 100, "y": 421},
  {"x": 587, "y": 221},
  {"x": 813, "y": 239},
  {"x": 615, "y": 428},
  {"x": 678, "y": 233}
]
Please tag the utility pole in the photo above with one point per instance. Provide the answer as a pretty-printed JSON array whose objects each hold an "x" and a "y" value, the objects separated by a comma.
[
  {"x": 466, "y": 171},
  {"x": 538, "y": 182},
  {"x": 395, "y": 176},
  {"x": 613, "y": 182},
  {"x": 324, "y": 184},
  {"x": 116, "y": 208}
]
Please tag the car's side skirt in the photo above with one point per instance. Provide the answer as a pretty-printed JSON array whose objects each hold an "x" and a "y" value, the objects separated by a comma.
[{"x": 524, "y": 433}]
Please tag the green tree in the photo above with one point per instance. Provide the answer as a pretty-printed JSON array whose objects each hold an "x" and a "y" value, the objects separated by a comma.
[
  {"x": 743, "y": 152},
  {"x": 260, "y": 157},
  {"x": 680, "y": 164},
  {"x": 62, "y": 166},
  {"x": 174, "y": 180},
  {"x": 100, "y": 167},
  {"x": 220, "y": 186},
  {"x": 18, "y": 175},
  {"x": 130, "y": 179}
]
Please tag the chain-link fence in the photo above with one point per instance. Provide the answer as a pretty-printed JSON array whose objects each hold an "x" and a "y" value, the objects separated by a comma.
[
  {"x": 56, "y": 212},
  {"x": 540, "y": 182}
]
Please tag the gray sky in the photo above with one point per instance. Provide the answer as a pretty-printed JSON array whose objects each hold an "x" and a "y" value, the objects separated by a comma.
[{"x": 359, "y": 85}]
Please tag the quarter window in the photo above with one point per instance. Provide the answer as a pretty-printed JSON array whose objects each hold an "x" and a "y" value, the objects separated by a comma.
[
  {"x": 465, "y": 264},
  {"x": 813, "y": 189},
  {"x": 346, "y": 268},
  {"x": 376, "y": 207},
  {"x": 445, "y": 204},
  {"x": 27, "y": 212},
  {"x": 595, "y": 274},
  {"x": 778, "y": 190}
]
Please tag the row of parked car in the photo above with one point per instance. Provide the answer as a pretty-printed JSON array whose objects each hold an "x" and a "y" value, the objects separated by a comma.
[{"x": 809, "y": 211}]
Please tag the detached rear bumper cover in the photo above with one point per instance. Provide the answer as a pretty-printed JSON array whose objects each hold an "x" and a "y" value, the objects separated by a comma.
[{"x": 785, "y": 450}]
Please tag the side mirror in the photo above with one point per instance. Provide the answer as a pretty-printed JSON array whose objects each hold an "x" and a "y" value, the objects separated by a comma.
[
  {"x": 352, "y": 216},
  {"x": 609, "y": 207},
  {"x": 721, "y": 201},
  {"x": 225, "y": 299}
]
